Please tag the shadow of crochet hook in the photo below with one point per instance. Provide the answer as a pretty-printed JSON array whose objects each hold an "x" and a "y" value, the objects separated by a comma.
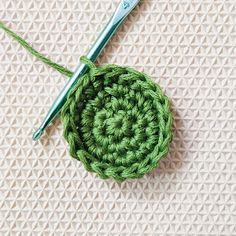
[{"x": 124, "y": 8}]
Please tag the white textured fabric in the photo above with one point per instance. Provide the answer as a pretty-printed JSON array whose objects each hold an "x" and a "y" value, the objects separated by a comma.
[{"x": 188, "y": 47}]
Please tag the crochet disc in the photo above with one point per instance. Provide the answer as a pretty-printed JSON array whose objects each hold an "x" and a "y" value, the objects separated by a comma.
[{"x": 117, "y": 122}]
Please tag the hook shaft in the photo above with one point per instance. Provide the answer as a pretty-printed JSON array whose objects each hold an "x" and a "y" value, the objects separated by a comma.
[{"x": 124, "y": 8}]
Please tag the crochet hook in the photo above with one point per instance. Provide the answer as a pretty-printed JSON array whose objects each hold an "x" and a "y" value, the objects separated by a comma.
[{"x": 123, "y": 9}]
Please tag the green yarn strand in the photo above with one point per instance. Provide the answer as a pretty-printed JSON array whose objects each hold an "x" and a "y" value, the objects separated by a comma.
[
  {"x": 117, "y": 122},
  {"x": 35, "y": 53}
]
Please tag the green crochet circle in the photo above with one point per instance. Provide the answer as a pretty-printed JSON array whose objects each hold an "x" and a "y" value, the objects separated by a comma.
[{"x": 117, "y": 122}]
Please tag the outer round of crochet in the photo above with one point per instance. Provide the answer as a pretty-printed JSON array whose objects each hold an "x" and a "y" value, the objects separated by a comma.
[{"x": 117, "y": 122}]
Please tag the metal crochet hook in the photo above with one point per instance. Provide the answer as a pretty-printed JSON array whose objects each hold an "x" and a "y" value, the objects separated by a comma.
[{"x": 124, "y": 8}]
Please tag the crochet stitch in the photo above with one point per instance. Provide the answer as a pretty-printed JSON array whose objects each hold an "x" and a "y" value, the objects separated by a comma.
[{"x": 117, "y": 122}]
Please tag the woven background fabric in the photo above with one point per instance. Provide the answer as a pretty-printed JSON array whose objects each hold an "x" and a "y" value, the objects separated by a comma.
[{"x": 189, "y": 49}]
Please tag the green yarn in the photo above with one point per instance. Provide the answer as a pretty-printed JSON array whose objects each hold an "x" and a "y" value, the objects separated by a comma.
[
  {"x": 117, "y": 122},
  {"x": 35, "y": 53}
]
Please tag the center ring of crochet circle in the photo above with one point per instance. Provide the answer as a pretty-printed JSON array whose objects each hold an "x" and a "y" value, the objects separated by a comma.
[{"x": 117, "y": 122}]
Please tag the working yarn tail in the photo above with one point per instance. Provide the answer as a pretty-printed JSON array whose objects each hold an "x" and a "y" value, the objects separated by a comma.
[{"x": 35, "y": 53}]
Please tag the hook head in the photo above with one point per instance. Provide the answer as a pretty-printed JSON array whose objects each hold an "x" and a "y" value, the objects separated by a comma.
[{"x": 37, "y": 134}]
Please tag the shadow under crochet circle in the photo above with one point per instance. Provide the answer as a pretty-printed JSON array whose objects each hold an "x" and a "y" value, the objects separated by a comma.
[{"x": 117, "y": 122}]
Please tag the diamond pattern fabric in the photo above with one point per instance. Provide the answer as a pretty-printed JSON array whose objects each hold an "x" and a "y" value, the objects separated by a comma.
[{"x": 188, "y": 48}]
